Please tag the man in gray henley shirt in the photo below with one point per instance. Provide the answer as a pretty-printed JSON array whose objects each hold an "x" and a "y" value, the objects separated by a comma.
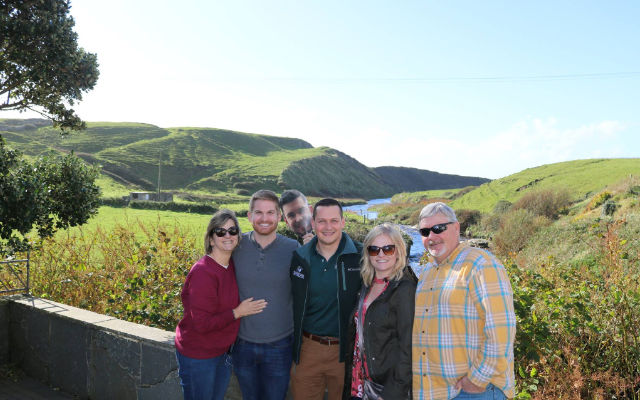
[{"x": 262, "y": 354}]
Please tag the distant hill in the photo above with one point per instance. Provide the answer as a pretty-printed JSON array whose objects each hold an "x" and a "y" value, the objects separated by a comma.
[
  {"x": 217, "y": 160},
  {"x": 404, "y": 179},
  {"x": 582, "y": 178}
]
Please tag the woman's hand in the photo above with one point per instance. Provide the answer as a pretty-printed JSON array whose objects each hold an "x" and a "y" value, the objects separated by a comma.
[{"x": 248, "y": 307}]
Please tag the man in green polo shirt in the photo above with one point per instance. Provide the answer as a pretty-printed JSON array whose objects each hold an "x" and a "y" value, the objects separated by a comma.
[{"x": 325, "y": 277}]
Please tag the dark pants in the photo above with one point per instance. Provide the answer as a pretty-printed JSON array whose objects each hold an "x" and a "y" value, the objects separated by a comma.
[
  {"x": 204, "y": 379},
  {"x": 263, "y": 369}
]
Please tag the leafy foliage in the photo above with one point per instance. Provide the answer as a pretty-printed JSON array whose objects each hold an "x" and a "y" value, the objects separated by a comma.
[
  {"x": 548, "y": 203},
  {"x": 41, "y": 64},
  {"x": 53, "y": 193}
]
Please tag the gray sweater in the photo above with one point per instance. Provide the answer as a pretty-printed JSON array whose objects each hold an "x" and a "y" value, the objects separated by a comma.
[{"x": 264, "y": 274}]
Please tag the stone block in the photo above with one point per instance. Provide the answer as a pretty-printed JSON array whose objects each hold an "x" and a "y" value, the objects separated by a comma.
[
  {"x": 159, "y": 373},
  {"x": 69, "y": 356},
  {"x": 5, "y": 354},
  {"x": 114, "y": 367},
  {"x": 29, "y": 338},
  {"x": 168, "y": 389}
]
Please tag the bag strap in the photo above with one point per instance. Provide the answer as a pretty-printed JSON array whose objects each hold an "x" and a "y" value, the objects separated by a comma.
[{"x": 359, "y": 325}]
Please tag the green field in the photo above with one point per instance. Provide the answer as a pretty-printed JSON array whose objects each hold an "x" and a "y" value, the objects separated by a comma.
[
  {"x": 581, "y": 178},
  {"x": 108, "y": 217}
]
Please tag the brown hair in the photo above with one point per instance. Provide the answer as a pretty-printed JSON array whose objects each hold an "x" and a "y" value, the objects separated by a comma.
[
  {"x": 264, "y": 194},
  {"x": 217, "y": 221}
]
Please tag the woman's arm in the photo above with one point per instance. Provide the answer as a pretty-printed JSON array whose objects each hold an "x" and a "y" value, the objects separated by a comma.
[{"x": 398, "y": 383}]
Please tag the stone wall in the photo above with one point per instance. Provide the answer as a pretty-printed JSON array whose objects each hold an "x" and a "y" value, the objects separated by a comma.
[{"x": 87, "y": 354}]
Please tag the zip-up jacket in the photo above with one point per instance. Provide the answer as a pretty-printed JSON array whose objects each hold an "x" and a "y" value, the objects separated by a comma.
[
  {"x": 349, "y": 282},
  {"x": 387, "y": 339}
]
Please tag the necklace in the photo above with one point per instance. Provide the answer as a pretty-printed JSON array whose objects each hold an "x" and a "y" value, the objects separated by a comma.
[{"x": 380, "y": 281}]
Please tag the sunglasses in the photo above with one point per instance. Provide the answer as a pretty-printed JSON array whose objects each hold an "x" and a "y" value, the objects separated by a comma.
[
  {"x": 387, "y": 250},
  {"x": 220, "y": 232},
  {"x": 437, "y": 229}
]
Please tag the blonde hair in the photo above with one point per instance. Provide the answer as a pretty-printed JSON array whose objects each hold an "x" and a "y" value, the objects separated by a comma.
[{"x": 366, "y": 270}]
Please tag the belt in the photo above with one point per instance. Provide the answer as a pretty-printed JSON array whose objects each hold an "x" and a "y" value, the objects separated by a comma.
[{"x": 328, "y": 340}]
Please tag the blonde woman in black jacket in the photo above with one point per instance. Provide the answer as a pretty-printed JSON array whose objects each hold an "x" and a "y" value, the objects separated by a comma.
[{"x": 378, "y": 359}]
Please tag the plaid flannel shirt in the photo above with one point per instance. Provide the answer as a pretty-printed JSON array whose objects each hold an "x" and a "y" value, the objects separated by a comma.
[{"x": 464, "y": 324}]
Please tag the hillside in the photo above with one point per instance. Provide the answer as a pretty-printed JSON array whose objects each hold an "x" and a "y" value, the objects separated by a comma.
[
  {"x": 581, "y": 178},
  {"x": 404, "y": 179},
  {"x": 216, "y": 160}
]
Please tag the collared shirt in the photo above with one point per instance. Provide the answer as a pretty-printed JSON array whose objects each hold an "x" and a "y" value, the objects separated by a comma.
[
  {"x": 323, "y": 314},
  {"x": 464, "y": 324}
]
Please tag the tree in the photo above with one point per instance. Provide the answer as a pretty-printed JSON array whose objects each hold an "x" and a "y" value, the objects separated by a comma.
[
  {"x": 53, "y": 193},
  {"x": 41, "y": 66}
]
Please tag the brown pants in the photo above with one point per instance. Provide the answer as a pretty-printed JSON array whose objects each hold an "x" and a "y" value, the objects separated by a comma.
[{"x": 319, "y": 368}]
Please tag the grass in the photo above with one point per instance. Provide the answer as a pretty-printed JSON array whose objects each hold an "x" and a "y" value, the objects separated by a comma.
[
  {"x": 201, "y": 159},
  {"x": 581, "y": 178},
  {"x": 408, "y": 197},
  {"x": 110, "y": 217}
]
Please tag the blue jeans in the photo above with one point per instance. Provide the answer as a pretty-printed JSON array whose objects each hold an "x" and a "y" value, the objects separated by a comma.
[
  {"x": 263, "y": 369},
  {"x": 204, "y": 379},
  {"x": 491, "y": 393}
]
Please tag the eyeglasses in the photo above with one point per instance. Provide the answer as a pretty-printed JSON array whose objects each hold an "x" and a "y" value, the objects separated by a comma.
[
  {"x": 437, "y": 229},
  {"x": 387, "y": 250},
  {"x": 220, "y": 232}
]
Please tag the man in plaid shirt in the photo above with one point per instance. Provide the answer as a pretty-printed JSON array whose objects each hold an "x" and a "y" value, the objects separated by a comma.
[{"x": 464, "y": 325}]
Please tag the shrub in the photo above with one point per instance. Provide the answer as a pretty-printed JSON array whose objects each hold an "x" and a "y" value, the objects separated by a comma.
[
  {"x": 548, "y": 203},
  {"x": 114, "y": 202},
  {"x": 133, "y": 271},
  {"x": 501, "y": 207},
  {"x": 197, "y": 208},
  {"x": 609, "y": 208},
  {"x": 516, "y": 228},
  {"x": 467, "y": 218},
  {"x": 598, "y": 200}
]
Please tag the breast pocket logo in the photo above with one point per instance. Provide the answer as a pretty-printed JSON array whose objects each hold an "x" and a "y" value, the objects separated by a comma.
[{"x": 298, "y": 273}]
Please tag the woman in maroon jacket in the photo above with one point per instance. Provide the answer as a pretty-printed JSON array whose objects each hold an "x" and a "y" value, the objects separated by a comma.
[{"x": 211, "y": 313}]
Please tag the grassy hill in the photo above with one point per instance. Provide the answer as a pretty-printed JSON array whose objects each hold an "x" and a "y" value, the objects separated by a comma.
[
  {"x": 581, "y": 178},
  {"x": 207, "y": 160}
]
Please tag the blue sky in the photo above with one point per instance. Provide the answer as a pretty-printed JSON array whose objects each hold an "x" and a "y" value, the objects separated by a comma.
[{"x": 471, "y": 88}]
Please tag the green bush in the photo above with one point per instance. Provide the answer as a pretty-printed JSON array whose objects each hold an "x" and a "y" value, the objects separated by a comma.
[
  {"x": 467, "y": 218},
  {"x": 598, "y": 200},
  {"x": 501, "y": 207},
  {"x": 546, "y": 203},
  {"x": 171, "y": 206},
  {"x": 578, "y": 321},
  {"x": 516, "y": 228},
  {"x": 114, "y": 201}
]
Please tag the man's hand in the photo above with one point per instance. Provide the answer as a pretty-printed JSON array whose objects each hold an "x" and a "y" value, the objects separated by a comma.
[
  {"x": 465, "y": 384},
  {"x": 307, "y": 237}
]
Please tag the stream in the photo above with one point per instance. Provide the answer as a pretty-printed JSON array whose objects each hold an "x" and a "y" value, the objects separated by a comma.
[{"x": 417, "y": 249}]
